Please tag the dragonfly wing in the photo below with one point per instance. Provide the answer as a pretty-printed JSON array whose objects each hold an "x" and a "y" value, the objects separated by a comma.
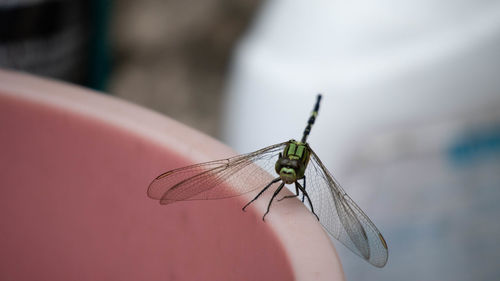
[
  {"x": 341, "y": 217},
  {"x": 217, "y": 179}
]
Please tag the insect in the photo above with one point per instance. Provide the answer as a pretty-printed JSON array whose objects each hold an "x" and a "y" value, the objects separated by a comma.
[{"x": 295, "y": 163}]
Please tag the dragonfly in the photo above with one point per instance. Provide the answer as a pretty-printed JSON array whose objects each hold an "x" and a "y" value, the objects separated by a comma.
[{"x": 294, "y": 163}]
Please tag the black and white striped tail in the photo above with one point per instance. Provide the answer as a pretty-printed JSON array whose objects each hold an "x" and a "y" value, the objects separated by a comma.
[{"x": 311, "y": 120}]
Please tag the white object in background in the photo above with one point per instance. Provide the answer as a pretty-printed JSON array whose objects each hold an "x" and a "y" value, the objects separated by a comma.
[{"x": 407, "y": 86}]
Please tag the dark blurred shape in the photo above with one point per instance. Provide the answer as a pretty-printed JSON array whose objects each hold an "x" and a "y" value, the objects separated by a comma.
[
  {"x": 100, "y": 53},
  {"x": 38, "y": 20},
  {"x": 60, "y": 39}
]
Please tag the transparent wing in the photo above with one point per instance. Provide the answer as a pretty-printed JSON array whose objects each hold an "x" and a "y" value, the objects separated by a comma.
[
  {"x": 341, "y": 217},
  {"x": 217, "y": 179}
]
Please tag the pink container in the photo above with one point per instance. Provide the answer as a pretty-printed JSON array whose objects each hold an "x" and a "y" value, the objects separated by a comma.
[{"x": 74, "y": 170}]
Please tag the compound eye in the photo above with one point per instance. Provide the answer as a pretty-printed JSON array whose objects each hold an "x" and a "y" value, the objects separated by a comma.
[
  {"x": 294, "y": 164},
  {"x": 284, "y": 162}
]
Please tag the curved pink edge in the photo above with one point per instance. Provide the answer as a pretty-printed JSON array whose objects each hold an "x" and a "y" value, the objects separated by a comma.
[{"x": 74, "y": 171}]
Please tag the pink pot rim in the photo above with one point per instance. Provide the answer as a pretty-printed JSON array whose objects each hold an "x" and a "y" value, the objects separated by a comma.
[{"x": 311, "y": 254}]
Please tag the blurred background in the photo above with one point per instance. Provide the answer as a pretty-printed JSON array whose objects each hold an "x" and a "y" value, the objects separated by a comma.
[{"x": 409, "y": 122}]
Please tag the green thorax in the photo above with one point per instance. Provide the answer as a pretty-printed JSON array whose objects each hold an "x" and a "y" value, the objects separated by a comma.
[{"x": 292, "y": 163}]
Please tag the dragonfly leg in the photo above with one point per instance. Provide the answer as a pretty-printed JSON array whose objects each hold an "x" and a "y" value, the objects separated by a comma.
[
  {"x": 262, "y": 191},
  {"x": 303, "y": 194},
  {"x": 272, "y": 198},
  {"x": 291, "y": 196},
  {"x": 307, "y": 196}
]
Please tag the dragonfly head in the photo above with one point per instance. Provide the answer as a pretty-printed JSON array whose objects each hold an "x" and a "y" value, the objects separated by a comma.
[
  {"x": 287, "y": 169},
  {"x": 288, "y": 175}
]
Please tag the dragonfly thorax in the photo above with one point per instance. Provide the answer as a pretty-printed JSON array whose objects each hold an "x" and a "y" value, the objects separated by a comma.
[{"x": 292, "y": 163}]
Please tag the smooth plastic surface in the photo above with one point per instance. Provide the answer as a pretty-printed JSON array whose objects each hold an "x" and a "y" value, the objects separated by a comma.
[{"x": 74, "y": 169}]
